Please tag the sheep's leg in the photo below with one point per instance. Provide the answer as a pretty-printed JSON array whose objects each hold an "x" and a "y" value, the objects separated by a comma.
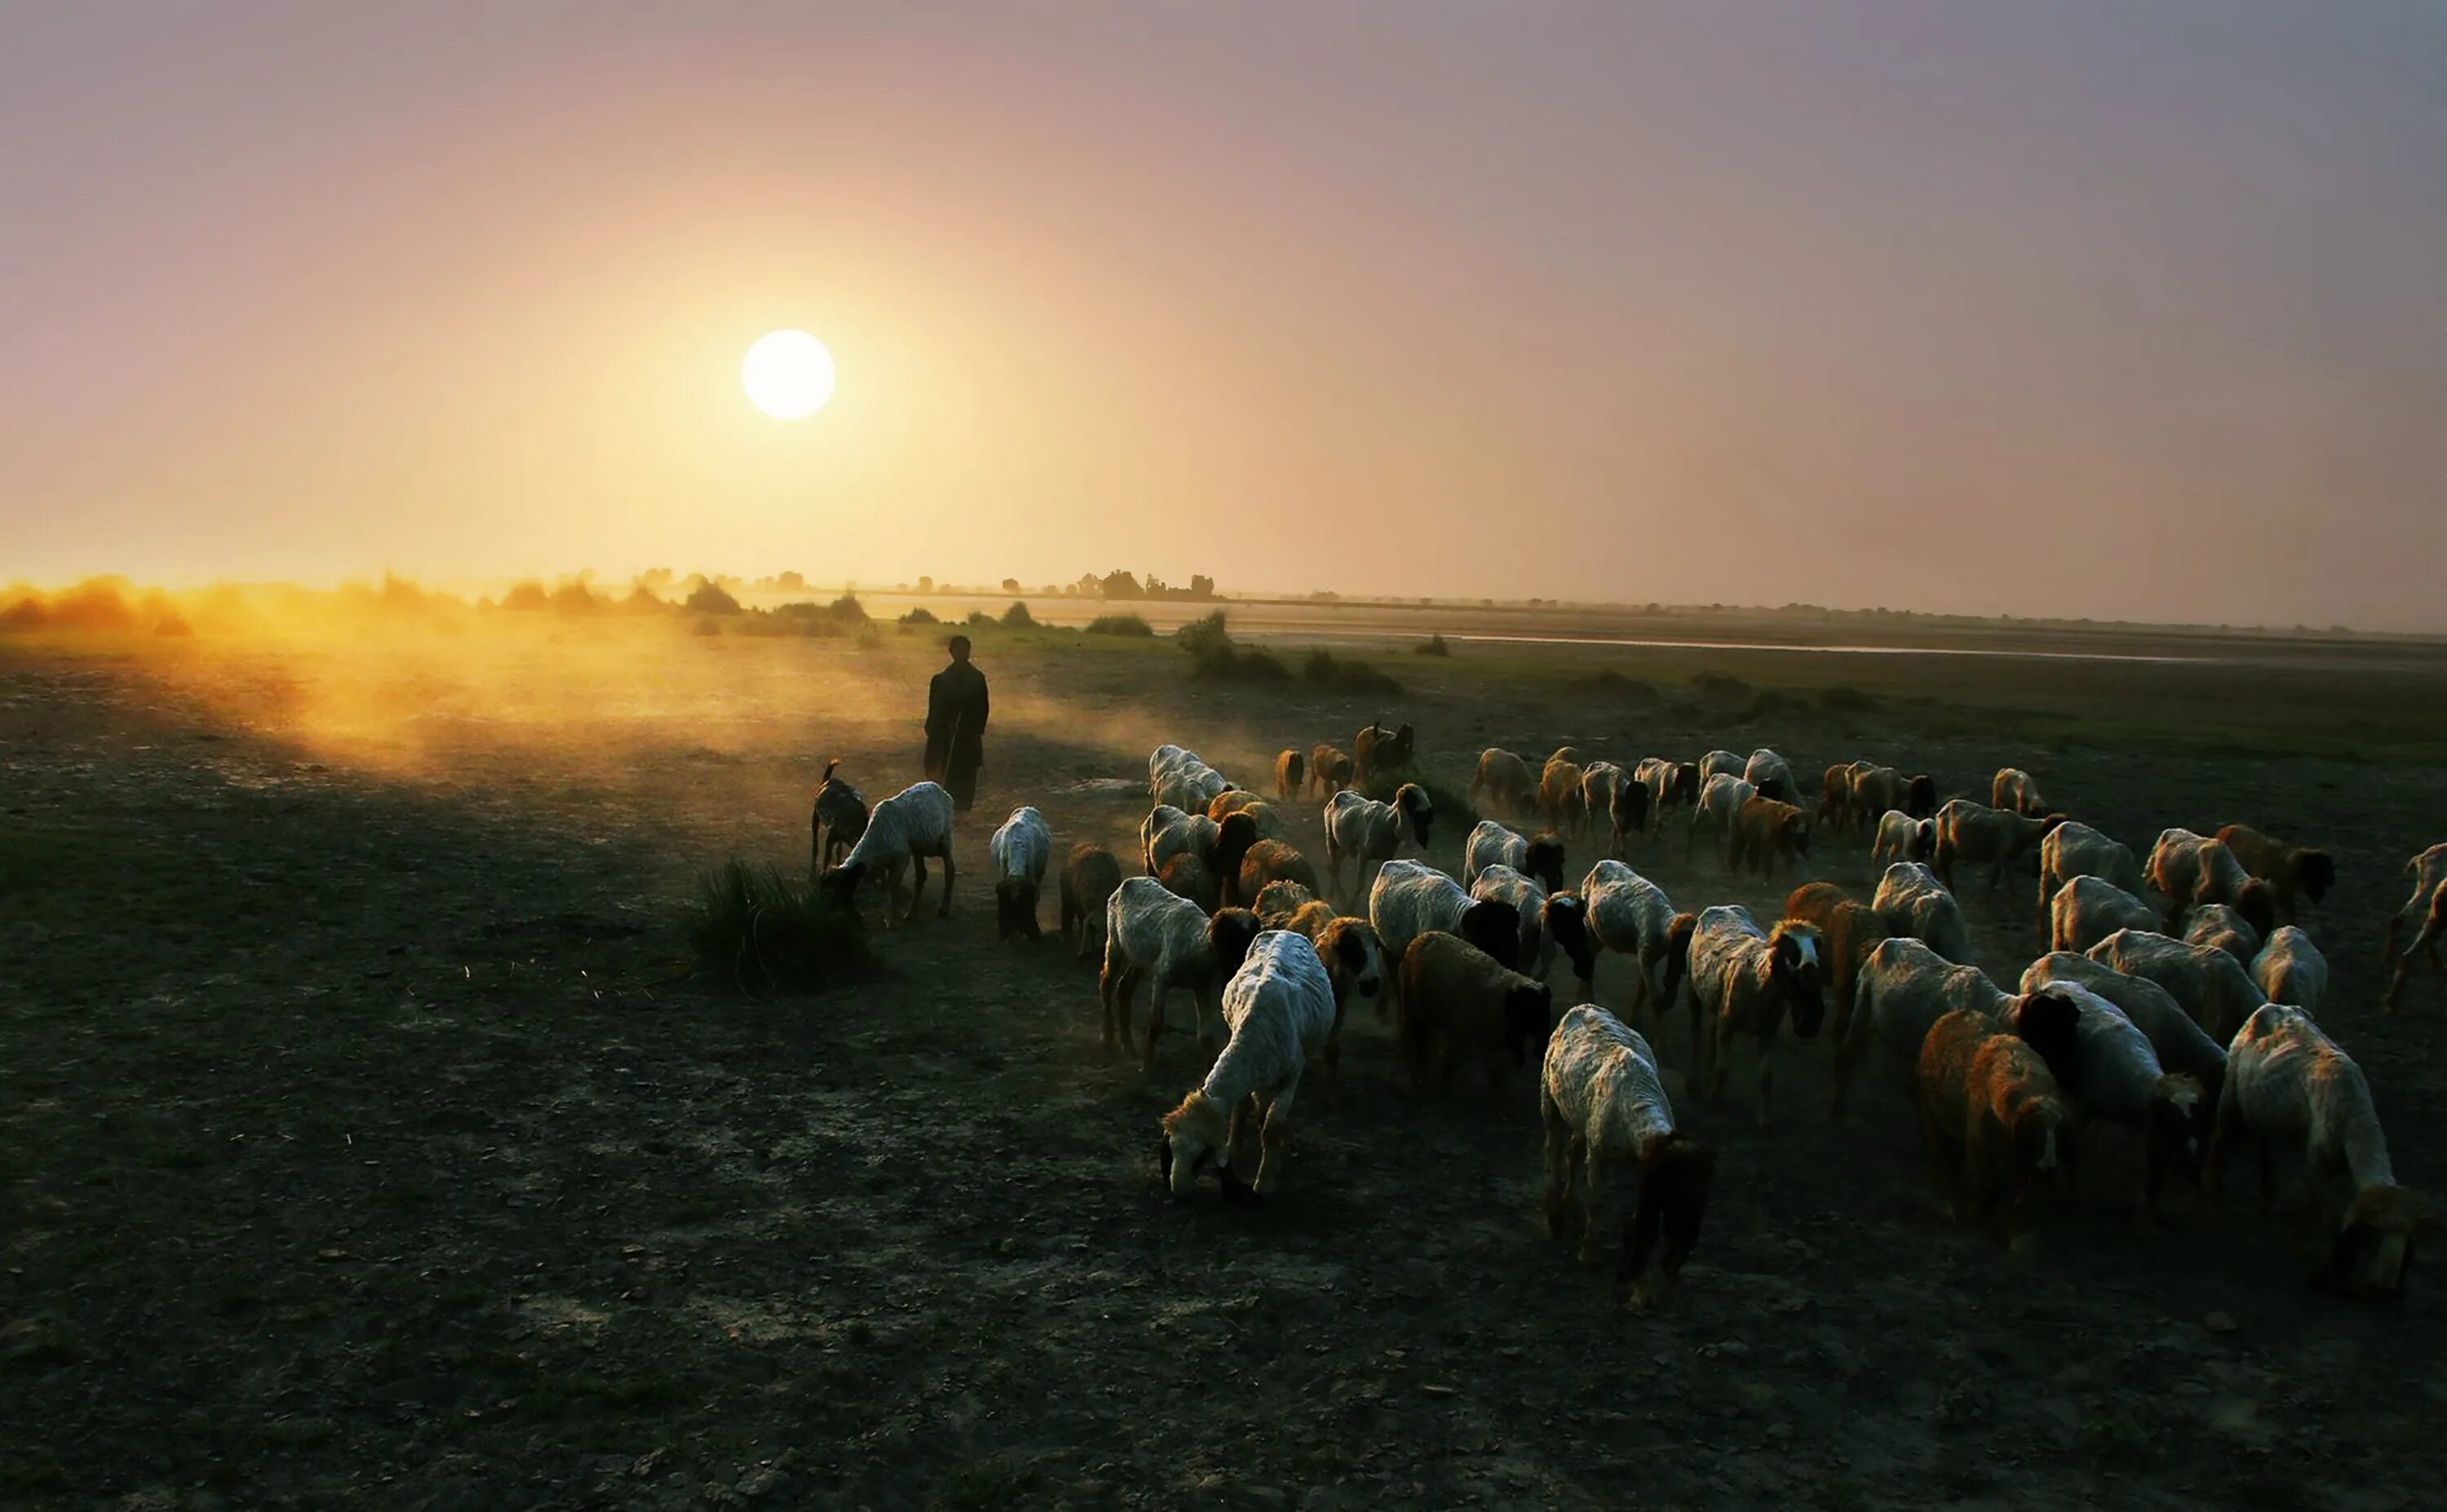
[
  {"x": 1205, "y": 1008},
  {"x": 1767, "y": 1074},
  {"x": 1593, "y": 1210},
  {"x": 1109, "y": 983},
  {"x": 1157, "y": 992},
  {"x": 1274, "y": 1140},
  {"x": 1942, "y": 1163},
  {"x": 917, "y": 888},
  {"x": 943, "y": 903},
  {"x": 1555, "y": 1163}
]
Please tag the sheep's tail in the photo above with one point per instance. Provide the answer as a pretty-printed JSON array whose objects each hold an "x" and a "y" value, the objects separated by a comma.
[{"x": 828, "y": 771}]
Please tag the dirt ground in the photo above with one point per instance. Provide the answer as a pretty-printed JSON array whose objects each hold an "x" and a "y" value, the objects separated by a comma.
[{"x": 361, "y": 1142}]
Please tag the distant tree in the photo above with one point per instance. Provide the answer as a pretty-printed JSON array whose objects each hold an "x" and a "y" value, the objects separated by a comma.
[
  {"x": 711, "y": 599},
  {"x": 1089, "y": 583},
  {"x": 925, "y": 585},
  {"x": 789, "y": 582},
  {"x": 1120, "y": 585},
  {"x": 573, "y": 598},
  {"x": 1011, "y": 585},
  {"x": 655, "y": 578},
  {"x": 526, "y": 597},
  {"x": 1200, "y": 586}
]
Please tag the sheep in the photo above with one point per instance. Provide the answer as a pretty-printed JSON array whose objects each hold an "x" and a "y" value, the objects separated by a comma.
[
  {"x": 1278, "y": 901},
  {"x": 1492, "y": 844},
  {"x": 905, "y": 831},
  {"x": 1599, "y": 781},
  {"x": 1550, "y": 921},
  {"x": 2216, "y": 924},
  {"x": 1720, "y": 802},
  {"x": 1329, "y": 770},
  {"x": 1021, "y": 849},
  {"x": 1902, "y": 837},
  {"x": 1604, "y": 1106},
  {"x": 1412, "y": 899},
  {"x": 1168, "y": 832},
  {"x": 1919, "y": 796},
  {"x": 1153, "y": 937},
  {"x": 1291, "y": 774},
  {"x": 1669, "y": 784},
  {"x": 1875, "y": 790},
  {"x": 1559, "y": 798},
  {"x": 1717, "y": 762},
  {"x": 1903, "y": 988},
  {"x": 1972, "y": 833},
  {"x": 2427, "y": 870},
  {"x": 1088, "y": 879},
  {"x": 1457, "y": 1001},
  {"x": 1771, "y": 776},
  {"x": 1767, "y": 831},
  {"x": 2193, "y": 869},
  {"x": 1503, "y": 780},
  {"x": 2290, "y": 970},
  {"x": 2012, "y": 790},
  {"x": 1367, "y": 831},
  {"x": 2074, "y": 849},
  {"x": 1910, "y": 900},
  {"x": 1835, "y": 799},
  {"x": 1188, "y": 875},
  {"x": 1177, "y": 779},
  {"x": 2210, "y": 984},
  {"x": 2117, "y": 1079},
  {"x": 1745, "y": 980},
  {"x": 1847, "y": 931},
  {"x": 1279, "y": 1006},
  {"x": 836, "y": 821},
  {"x": 2425, "y": 943},
  {"x": 2287, "y": 1084},
  {"x": 1993, "y": 1117},
  {"x": 2290, "y": 871},
  {"x": 1268, "y": 862},
  {"x": 1608, "y": 789},
  {"x": 1355, "y": 958},
  {"x": 2180, "y": 1044},
  {"x": 1632, "y": 917},
  {"x": 2090, "y": 909},
  {"x": 1379, "y": 750},
  {"x": 1268, "y": 820}
]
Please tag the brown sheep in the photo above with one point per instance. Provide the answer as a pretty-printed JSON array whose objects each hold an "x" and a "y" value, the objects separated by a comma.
[
  {"x": 1848, "y": 930},
  {"x": 1560, "y": 796},
  {"x": 1278, "y": 901},
  {"x": 1190, "y": 876},
  {"x": 2013, "y": 790},
  {"x": 1378, "y": 750},
  {"x": 1329, "y": 770},
  {"x": 1353, "y": 956},
  {"x": 1088, "y": 879},
  {"x": 2290, "y": 871},
  {"x": 1460, "y": 1003},
  {"x": 1291, "y": 774},
  {"x": 2425, "y": 943},
  {"x": 1835, "y": 799},
  {"x": 1765, "y": 832},
  {"x": 1273, "y": 860},
  {"x": 1919, "y": 796},
  {"x": 1875, "y": 790},
  {"x": 1976, "y": 834},
  {"x": 1995, "y": 1122},
  {"x": 1503, "y": 780}
]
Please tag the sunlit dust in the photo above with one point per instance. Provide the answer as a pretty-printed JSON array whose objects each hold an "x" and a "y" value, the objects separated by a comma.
[{"x": 788, "y": 374}]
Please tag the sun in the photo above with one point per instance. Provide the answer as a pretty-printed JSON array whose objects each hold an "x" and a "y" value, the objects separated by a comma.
[{"x": 788, "y": 374}]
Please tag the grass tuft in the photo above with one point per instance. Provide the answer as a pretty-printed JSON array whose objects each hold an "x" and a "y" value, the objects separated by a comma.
[
  {"x": 1323, "y": 668},
  {"x": 1435, "y": 645},
  {"x": 760, "y": 933},
  {"x": 1130, "y": 625}
]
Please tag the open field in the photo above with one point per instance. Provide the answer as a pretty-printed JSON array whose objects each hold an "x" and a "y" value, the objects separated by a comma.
[{"x": 362, "y": 1141}]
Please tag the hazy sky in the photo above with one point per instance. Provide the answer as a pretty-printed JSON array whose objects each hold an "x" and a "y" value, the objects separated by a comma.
[{"x": 2054, "y": 308}]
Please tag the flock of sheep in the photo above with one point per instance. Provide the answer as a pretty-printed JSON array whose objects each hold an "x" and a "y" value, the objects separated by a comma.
[{"x": 2186, "y": 1021}]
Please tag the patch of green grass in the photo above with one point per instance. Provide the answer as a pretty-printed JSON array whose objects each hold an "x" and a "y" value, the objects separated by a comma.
[
  {"x": 1121, "y": 625},
  {"x": 1323, "y": 668},
  {"x": 758, "y": 933}
]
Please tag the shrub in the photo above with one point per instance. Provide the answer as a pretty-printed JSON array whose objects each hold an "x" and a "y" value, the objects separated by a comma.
[
  {"x": 530, "y": 597},
  {"x": 871, "y": 638},
  {"x": 1435, "y": 645},
  {"x": 1323, "y": 668},
  {"x": 1610, "y": 684},
  {"x": 1719, "y": 685},
  {"x": 710, "y": 598},
  {"x": 979, "y": 619},
  {"x": 1845, "y": 699},
  {"x": 1120, "y": 625},
  {"x": 1017, "y": 618},
  {"x": 1204, "y": 637},
  {"x": 848, "y": 610},
  {"x": 921, "y": 615},
  {"x": 573, "y": 598},
  {"x": 1765, "y": 702},
  {"x": 1214, "y": 656},
  {"x": 757, "y": 933},
  {"x": 642, "y": 600}
]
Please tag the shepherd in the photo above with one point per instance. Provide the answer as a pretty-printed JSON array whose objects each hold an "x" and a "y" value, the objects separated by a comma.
[{"x": 956, "y": 726}]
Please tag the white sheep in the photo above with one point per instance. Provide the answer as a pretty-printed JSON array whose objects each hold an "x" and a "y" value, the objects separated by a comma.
[
  {"x": 1910, "y": 900},
  {"x": 1178, "y": 779},
  {"x": 1368, "y": 832},
  {"x": 1168, "y": 942},
  {"x": 1609, "y": 789},
  {"x": 1492, "y": 844},
  {"x": 1721, "y": 763},
  {"x": 2074, "y": 849},
  {"x": 2428, "y": 871},
  {"x": 1771, "y": 776},
  {"x": 2117, "y": 1079},
  {"x": 1669, "y": 783},
  {"x": 2210, "y": 984},
  {"x": 2087, "y": 909},
  {"x": 2195, "y": 869},
  {"x": 1550, "y": 921},
  {"x": 1022, "y": 849},
  {"x": 2290, "y": 970},
  {"x": 902, "y": 832},
  {"x": 1902, "y": 837},
  {"x": 1747, "y": 980},
  {"x": 2219, "y": 925},
  {"x": 1632, "y": 917},
  {"x": 2180, "y": 1044},
  {"x": 1604, "y": 1108},
  {"x": 1168, "y": 832},
  {"x": 1720, "y": 805},
  {"x": 2290, "y": 1086},
  {"x": 1903, "y": 988},
  {"x": 1281, "y": 1010}
]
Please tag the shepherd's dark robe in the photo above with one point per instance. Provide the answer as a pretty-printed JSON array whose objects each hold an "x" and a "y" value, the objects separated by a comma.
[{"x": 955, "y": 730}]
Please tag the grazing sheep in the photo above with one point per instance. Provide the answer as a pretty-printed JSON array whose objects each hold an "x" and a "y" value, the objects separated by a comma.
[
  {"x": 1190, "y": 876},
  {"x": 1720, "y": 803},
  {"x": 1875, "y": 790},
  {"x": 1177, "y": 779},
  {"x": 1745, "y": 980},
  {"x": 1902, "y": 837},
  {"x": 1329, "y": 769},
  {"x": 2427, "y": 870},
  {"x": 2288, "y": 1085},
  {"x": 837, "y": 821},
  {"x": 2115, "y": 1079},
  {"x": 1355, "y": 958},
  {"x": 1969, "y": 833},
  {"x": 1089, "y": 878},
  {"x": 2216, "y": 924},
  {"x": 1902, "y": 989},
  {"x": 1278, "y": 901},
  {"x": 1605, "y": 1108},
  {"x": 1268, "y": 862},
  {"x": 2290, "y": 970},
  {"x": 1632, "y": 917},
  {"x": 1153, "y": 937},
  {"x": 2210, "y": 984},
  {"x": 2291, "y": 871},
  {"x": 1919, "y": 796},
  {"x": 1910, "y": 900},
  {"x": 905, "y": 831},
  {"x": 1848, "y": 931},
  {"x": 1550, "y": 921},
  {"x": 1609, "y": 789},
  {"x": 2090, "y": 909},
  {"x": 1412, "y": 899},
  {"x": 1168, "y": 832},
  {"x": 1599, "y": 781},
  {"x": 1767, "y": 831},
  {"x": 2193, "y": 869},
  {"x": 1268, "y": 820},
  {"x": 1291, "y": 774},
  {"x": 1771, "y": 776},
  {"x": 1669, "y": 784},
  {"x": 1492, "y": 844},
  {"x": 1369, "y": 832},
  {"x": 2074, "y": 849},
  {"x": 1993, "y": 1117},
  {"x": 1279, "y": 1006},
  {"x": 1721, "y": 763},
  {"x": 2180, "y": 1044},
  {"x": 1458, "y": 1003},
  {"x": 1379, "y": 750},
  {"x": 2013, "y": 791},
  {"x": 1503, "y": 785},
  {"x": 1560, "y": 799},
  {"x": 1021, "y": 849},
  {"x": 2425, "y": 943},
  {"x": 1835, "y": 799}
]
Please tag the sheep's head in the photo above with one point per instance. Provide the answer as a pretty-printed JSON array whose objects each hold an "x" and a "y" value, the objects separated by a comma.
[
  {"x": 1676, "y": 1175},
  {"x": 1772, "y": 787},
  {"x": 1495, "y": 928},
  {"x": 1679, "y": 935},
  {"x": 2254, "y": 902},
  {"x": 2175, "y": 1115},
  {"x": 1545, "y": 860},
  {"x": 1354, "y": 955},
  {"x": 1685, "y": 786},
  {"x": 2041, "y": 1126},
  {"x": 1630, "y": 807},
  {"x": 1796, "y": 832},
  {"x": 1231, "y": 932},
  {"x": 1015, "y": 908},
  {"x": 1197, "y": 1139},
  {"x": 1404, "y": 740},
  {"x": 1567, "y": 925},
  {"x": 2049, "y": 1021},
  {"x": 1924, "y": 841},
  {"x": 1919, "y": 796},
  {"x": 2314, "y": 871},
  {"x": 1528, "y": 1017},
  {"x": 840, "y": 888},
  {"x": 1418, "y": 808},
  {"x": 2376, "y": 1247},
  {"x": 1295, "y": 767},
  {"x": 1233, "y": 838},
  {"x": 1793, "y": 967}
]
